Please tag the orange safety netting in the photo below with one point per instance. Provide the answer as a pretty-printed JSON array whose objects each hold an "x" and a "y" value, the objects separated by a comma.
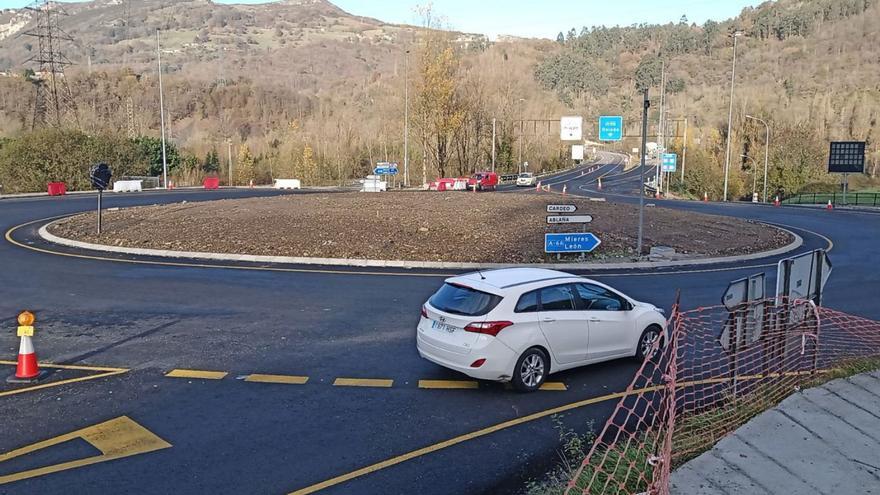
[{"x": 719, "y": 369}]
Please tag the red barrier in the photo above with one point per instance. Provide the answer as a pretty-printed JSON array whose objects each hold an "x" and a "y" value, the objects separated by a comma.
[
  {"x": 57, "y": 188},
  {"x": 211, "y": 183}
]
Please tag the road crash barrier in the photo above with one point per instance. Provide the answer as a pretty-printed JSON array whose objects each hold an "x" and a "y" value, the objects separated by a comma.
[
  {"x": 719, "y": 369},
  {"x": 128, "y": 186},
  {"x": 211, "y": 183},
  {"x": 56, "y": 188},
  {"x": 288, "y": 184}
]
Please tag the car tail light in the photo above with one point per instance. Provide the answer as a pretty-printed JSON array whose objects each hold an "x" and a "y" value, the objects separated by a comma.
[
  {"x": 424, "y": 312},
  {"x": 488, "y": 327},
  {"x": 478, "y": 363}
]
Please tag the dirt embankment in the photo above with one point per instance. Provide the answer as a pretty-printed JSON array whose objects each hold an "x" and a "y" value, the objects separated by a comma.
[{"x": 467, "y": 227}]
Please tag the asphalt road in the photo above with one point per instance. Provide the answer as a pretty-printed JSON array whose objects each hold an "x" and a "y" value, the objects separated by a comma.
[{"x": 236, "y": 436}]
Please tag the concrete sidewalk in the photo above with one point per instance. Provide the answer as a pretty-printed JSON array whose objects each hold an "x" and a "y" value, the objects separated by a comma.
[{"x": 823, "y": 440}]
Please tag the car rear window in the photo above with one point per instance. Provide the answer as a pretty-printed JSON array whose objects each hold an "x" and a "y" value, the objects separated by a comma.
[{"x": 461, "y": 300}]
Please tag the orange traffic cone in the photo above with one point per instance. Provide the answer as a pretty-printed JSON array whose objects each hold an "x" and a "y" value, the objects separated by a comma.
[
  {"x": 600, "y": 183},
  {"x": 251, "y": 183},
  {"x": 27, "y": 369},
  {"x": 538, "y": 186},
  {"x": 564, "y": 189},
  {"x": 830, "y": 206},
  {"x": 776, "y": 201},
  {"x": 705, "y": 197}
]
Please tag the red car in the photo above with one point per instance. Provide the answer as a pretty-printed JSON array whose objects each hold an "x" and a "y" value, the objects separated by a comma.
[{"x": 484, "y": 181}]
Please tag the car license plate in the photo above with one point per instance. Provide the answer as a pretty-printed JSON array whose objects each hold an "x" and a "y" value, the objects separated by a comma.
[{"x": 436, "y": 325}]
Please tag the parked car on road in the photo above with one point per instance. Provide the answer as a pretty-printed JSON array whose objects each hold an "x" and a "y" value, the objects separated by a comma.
[
  {"x": 526, "y": 179},
  {"x": 522, "y": 324},
  {"x": 484, "y": 181}
]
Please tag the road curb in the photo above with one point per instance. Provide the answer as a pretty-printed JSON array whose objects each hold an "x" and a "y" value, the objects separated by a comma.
[{"x": 435, "y": 265}]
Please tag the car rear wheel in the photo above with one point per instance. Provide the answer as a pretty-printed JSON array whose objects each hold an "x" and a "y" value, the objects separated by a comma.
[
  {"x": 645, "y": 348},
  {"x": 531, "y": 370}
]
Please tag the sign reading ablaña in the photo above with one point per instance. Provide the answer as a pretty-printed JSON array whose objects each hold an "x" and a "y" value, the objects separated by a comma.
[
  {"x": 584, "y": 242},
  {"x": 610, "y": 128},
  {"x": 554, "y": 219},
  {"x": 385, "y": 168}
]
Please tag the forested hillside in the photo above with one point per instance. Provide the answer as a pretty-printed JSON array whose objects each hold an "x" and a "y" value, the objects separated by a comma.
[{"x": 316, "y": 93}]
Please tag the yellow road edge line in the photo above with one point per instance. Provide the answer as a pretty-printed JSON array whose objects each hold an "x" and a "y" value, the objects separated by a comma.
[
  {"x": 507, "y": 424},
  {"x": 448, "y": 384},
  {"x": 200, "y": 374},
  {"x": 62, "y": 382},
  {"x": 554, "y": 386},
  {"x": 363, "y": 382},
  {"x": 286, "y": 379},
  {"x": 70, "y": 366}
]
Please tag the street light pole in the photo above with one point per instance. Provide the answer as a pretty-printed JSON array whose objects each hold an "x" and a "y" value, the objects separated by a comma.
[
  {"x": 646, "y": 106},
  {"x": 766, "y": 151},
  {"x": 162, "y": 112},
  {"x": 406, "y": 119},
  {"x": 736, "y": 35},
  {"x": 493, "y": 144},
  {"x": 521, "y": 135},
  {"x": 684, "y": 151}
]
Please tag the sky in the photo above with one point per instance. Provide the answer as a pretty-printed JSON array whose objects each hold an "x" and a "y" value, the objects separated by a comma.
[{"x": 531, "y": 18}]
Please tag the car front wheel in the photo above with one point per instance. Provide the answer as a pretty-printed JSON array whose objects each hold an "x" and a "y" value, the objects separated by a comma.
[
  {"x": 645, "y": 348},
  {"x": 531, "y": 370}
]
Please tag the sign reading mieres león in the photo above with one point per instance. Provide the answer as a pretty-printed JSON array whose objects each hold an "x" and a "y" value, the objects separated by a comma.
[{"x": 584, "y": 242}]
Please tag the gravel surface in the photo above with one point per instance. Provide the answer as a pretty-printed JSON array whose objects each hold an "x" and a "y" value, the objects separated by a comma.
[{"x": 455, "y": 226}]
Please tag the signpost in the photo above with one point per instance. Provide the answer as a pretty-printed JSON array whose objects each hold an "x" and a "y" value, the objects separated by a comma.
[
  {"x": 610, "y": 128},
  {"x": 846, "y": 157},
  {"x": 669, "y": 162},
  {"x": 584, "y": 242},
  {"x": 556, "y": 219},
  {"x": 571, "y": 128},
  {"x": 385, "y": 168},
  {"x": 803, "y": 277},
  {"x": 100, "y": 175},
  {"x": 561, "y": 208}
]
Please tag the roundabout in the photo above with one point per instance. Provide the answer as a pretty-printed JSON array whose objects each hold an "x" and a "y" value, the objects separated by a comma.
[{"x": 284, "y": 378}]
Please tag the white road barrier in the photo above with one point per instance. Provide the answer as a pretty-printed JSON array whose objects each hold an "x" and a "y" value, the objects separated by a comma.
[
  {"x": 288, "y": 184},
  {"x": 128, "y": 186}
]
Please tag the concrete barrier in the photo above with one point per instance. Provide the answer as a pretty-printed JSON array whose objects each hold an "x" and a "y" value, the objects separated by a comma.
[{"x": 127, "y": 186}]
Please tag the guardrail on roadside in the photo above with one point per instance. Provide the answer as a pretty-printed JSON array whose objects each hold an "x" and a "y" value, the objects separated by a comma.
[{"x": 853, "y": 198}]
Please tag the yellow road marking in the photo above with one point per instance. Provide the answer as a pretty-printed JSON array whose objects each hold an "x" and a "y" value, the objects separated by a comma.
[
  {"x": 104, "y": 372},
  {"x": 201, "y": 374},
  {"x": 448, "y": 384},
  {"x": 117, "y": 438},
  {"x": 554, "y": 386},
  {"x": 511, "y": 423},
  {"x": 288, "y": 379},
  {"x": 362, "y": 382}
]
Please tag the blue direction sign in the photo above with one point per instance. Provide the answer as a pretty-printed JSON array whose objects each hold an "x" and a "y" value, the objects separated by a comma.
[
  {"x": 668, "y": 162},
  {"x": 385, "y": 168},
  {"x": 571, "y": 243},
  {"x": 610, "y": 128}
]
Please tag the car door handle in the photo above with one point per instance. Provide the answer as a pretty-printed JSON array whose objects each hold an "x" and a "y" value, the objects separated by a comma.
[
  {"x": 547, "y": 319},
  {"x": 593, "y": 318}
]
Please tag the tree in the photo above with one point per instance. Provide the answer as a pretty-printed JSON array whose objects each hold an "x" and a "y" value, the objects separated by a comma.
[
  {"x": 211, "y": 164},
  {"x": 648, "y": 72},
  {"x": 560, "y": 38},
  {"x": 245, "y": 165}
]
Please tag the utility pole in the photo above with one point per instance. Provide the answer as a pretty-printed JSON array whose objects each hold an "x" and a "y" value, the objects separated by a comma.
[
  {"x": 521, "y": 134},
  {"x": 162, "y": 111},
  {"x": 646, "y": 106},
  {"x": 229, "y": 159},
  {"x": 736, "y": 35},
  {"x": 661, "y": 141},
  {"x": 493, "y": 144},
  {"x": 766, "y": 151},
  {"x": 684, "y": 150},
  {"x": 406, "y": 118}
]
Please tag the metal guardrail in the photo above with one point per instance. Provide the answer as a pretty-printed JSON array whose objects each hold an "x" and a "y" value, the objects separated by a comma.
[{"x": 853, "y": 198}]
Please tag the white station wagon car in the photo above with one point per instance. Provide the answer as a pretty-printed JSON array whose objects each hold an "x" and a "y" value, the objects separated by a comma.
[{"x": 521, "y": 324}]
